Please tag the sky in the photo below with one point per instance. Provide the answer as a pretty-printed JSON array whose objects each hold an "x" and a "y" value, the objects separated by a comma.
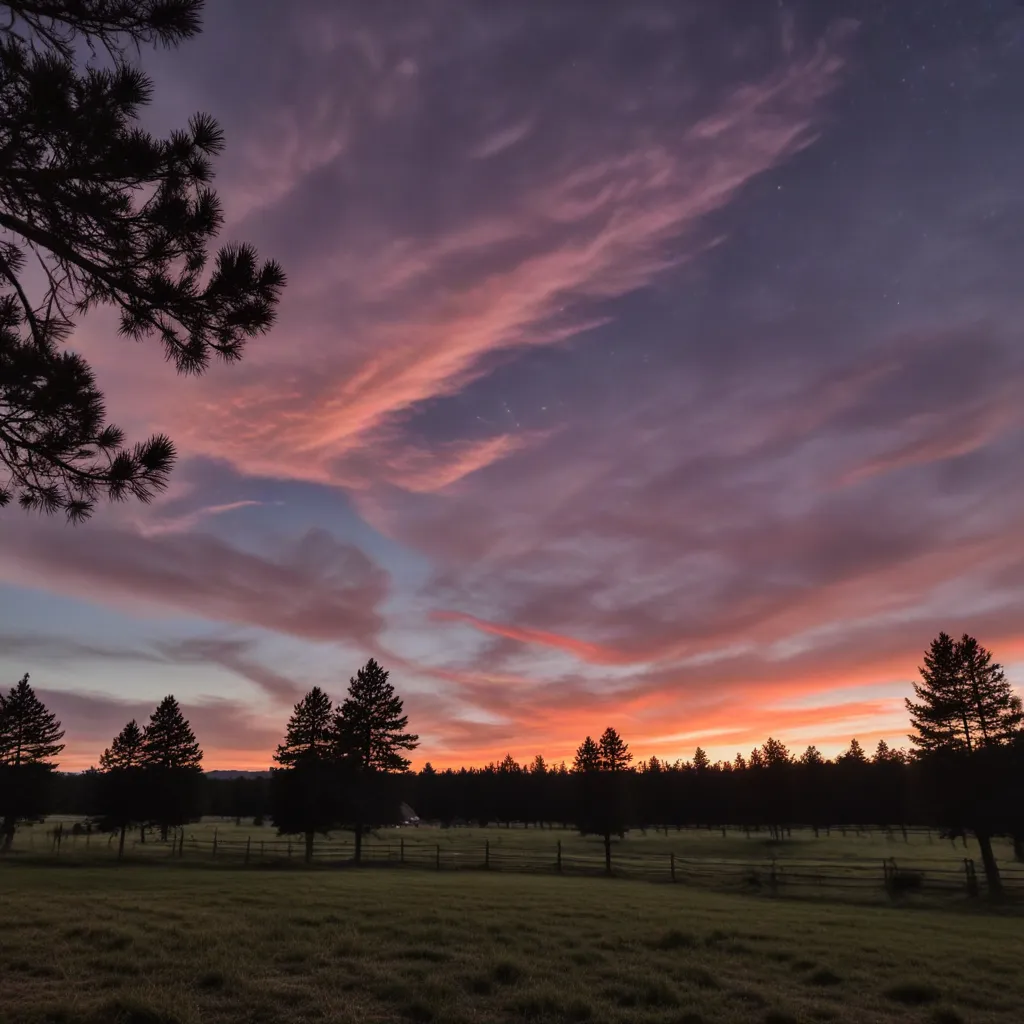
[{"x": 654, "y": 365}]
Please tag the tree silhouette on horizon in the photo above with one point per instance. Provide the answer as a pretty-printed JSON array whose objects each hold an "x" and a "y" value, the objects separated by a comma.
[
  {"x": 30, "y": 737},
  {"x": 305, "y": 789},
  {"x": 122, "y": 796},
  {"x": 599, "y": 768},
  {"x": 172, "y": 761},
  {"x": 965, "y": 712},
  {"x": 370, "y": 730}
]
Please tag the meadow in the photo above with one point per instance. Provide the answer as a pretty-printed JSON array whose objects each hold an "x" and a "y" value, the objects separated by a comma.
[
  {"x": 140, "y": 945},
  {"x": 840, "y": 863}
]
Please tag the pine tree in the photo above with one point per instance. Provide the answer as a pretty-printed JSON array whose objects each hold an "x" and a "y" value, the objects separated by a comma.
[
  {"x": 370, "y": 732},
  {"x": 125, "y": 752},
  {"x": 774, "y": 754},
  {"x": 811, "y": 756},
  {"x": 121, "y": 789},
  {"x": 30, "y": 737},
  {"x": 370, "y": 723},
  {"x": 884, "y": 754},
  {"x": 941, "y": 716},
  {"x": 305, "y": 790},
  {"x": 854, "y": 754},
  {"x": 588, "y": 757},
  {"x": 168, "y": 740},
  {"x": 600, "y": 788},
  {"x": 995, "y": 710},
  {"x": 614, "y": 753},
  {"x": 310, "y": 734},
  {"x": 700, "y": 760},
  {"x": 112, "y": 216},
  {"x": 964, "y": 715},
  {"x": 173, "y": 766}
]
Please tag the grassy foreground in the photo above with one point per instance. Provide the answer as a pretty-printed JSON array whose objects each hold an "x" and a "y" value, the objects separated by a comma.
[{"x": 145, "y": 946}]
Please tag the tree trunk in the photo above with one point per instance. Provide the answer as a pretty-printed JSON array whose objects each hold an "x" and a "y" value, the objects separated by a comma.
[
  {"x": 358, "y": 856},
  {"x": 1018, "y": 848},
  {"x": 163, "y": 833},
  {"x": 309, "y": 847},
  {"x": 120, "y": 844},
  {"x": 988, "y": 859},
  {"x": 142, "y": 833},
  {"x": 608, "y": 852},
  {"x": 7, "y": 828}
]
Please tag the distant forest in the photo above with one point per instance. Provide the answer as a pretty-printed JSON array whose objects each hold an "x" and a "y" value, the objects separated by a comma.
[{"x": 344, "y": 767}]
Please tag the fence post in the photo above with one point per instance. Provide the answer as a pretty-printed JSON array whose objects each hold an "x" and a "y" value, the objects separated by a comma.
[
  {"x": 487, "y": 853},
  {"x": 261, "y": 850},
  {"x": 438, "y": 856},
  {"x": 289, "y": 849},
  {"x": 672, "y": 865},
  {"x": 401, "y": 850},
  {"x": 181, "y": 842},
  {"x": 972, "y": 877},
  {"x": 248, "y": 843},
  {"x": 214, "y": 842},
  {"x": 558, "y": 861}
]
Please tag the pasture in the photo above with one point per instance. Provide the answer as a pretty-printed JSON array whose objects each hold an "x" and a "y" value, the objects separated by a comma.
[
  {"x": 835, "y": 864},
  {"x": 138, "y": 945}
]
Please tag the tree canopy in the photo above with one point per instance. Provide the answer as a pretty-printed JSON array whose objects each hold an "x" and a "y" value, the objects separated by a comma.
[{"x": 94, "y": 210}]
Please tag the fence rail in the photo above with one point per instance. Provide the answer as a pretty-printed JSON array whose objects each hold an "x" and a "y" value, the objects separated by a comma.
[{"x": 871, "y": 880}]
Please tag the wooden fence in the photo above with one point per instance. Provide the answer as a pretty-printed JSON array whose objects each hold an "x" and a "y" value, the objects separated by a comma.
[{"x": 860, "y": 880}]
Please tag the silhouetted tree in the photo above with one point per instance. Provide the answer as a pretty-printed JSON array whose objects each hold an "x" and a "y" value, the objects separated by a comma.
[
  {"x": 30, "y": 737},
  {"x": 172, "y": 764},
  {"x": 941, "y": 716},
  {"x": 854, "y": 753},
  {"x": 121, "y": 796},
  {"x": 112, "y": 216},
  {"x": 995, "y": 710},
  {"x": 306, "y": 788},
  {"x": 965, "y": 711},
  {"x": 601, "y": 793},
  {"x": 369, "y": 727}
]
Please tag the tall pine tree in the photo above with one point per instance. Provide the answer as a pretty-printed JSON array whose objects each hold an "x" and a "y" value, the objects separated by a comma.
[
  {"x": 95, "y": 210},
  {"x": 305, "y": 789},
  {"x": 588, "y": 757},
  {"x": 173, "y": 767},
  {"x": 601, "y": 788},
  {"x": 30, "y": 737},
  {"x": 121, "y": 785},
  {"x": 370, "y": 728},
  {"x": 995, "y": 710},
  {"x": 964, "y": 715},
  {"x": 941, "y": 715}
]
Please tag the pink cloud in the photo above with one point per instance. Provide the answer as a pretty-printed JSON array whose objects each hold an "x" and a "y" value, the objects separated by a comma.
[{"x": 498, "y": 281}]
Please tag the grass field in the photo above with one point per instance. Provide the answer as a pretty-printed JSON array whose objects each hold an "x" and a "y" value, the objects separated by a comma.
[
  {"x": 921, "y": 848},
  {"x": 835, "y": 864},
  {"x": 144, "y": 946}
]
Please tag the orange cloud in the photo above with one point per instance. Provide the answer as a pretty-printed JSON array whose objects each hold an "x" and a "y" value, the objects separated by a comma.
[{"x": 594, "y": 653}]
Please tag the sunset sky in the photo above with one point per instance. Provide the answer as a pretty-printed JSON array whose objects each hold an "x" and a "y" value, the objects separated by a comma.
[{"x": 655, "y": 365}]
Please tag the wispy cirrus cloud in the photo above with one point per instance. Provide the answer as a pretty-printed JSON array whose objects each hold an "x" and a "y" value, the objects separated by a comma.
[{"x": 420, "y": 312}]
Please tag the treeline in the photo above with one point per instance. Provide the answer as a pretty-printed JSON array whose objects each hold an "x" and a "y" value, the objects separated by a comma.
[{"x": 343, "y": 767}]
